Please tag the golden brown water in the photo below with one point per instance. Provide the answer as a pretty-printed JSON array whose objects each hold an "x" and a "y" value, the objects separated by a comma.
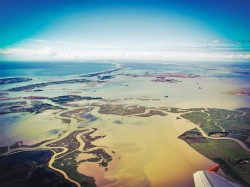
[
  {"x": 148, "y": 152},
  {"x": 147, "y": 149}
]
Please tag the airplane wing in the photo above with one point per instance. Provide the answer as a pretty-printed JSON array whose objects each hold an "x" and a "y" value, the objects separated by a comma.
[{"x": 210, "y": 178}]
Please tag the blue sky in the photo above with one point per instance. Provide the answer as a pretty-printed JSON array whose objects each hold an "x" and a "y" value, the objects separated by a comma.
[{"x": 69, "y": 28}]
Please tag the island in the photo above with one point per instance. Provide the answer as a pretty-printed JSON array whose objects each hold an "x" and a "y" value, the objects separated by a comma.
[
  {"x": 40, "y": 85},
  {"x": 13, "y": 80},
  {"x": 163, "y": 75},
  {"x": 102, "y": 72},
  {"x": 70, "y": 98},
  {"x": 164, "y": 79},
  {"x": 37, "y": 107},
  {"x": 241, "y": 92},
  {"x": 120, "y": 109}
]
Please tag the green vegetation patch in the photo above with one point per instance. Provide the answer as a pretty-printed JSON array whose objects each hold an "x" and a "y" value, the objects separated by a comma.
[
  {"x": 234, "y": 160},
  {"x": 69, "y": 164},
  {"x": 70, "y": 98},
  {"x": 36, "y": 107},
  {"x": 28, "y": 169},
  {"x": 236, "y": 123},
  {"x": 153, "y": 113},
  {"x": 121, "y": 109}
]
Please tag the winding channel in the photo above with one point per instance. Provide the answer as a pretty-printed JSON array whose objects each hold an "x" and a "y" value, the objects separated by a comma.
[
  {"x": 244, "y": 146},
  {"x": 61, "y": 171},
  {"x": 72, "y": 128}
]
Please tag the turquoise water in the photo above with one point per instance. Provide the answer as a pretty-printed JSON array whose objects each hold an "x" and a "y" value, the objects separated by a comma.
[
  {"x": 38, "y": 69},
  {"x": 52, "y": 69}
]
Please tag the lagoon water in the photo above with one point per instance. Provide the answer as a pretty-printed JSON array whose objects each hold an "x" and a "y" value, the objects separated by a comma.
[{"x": 149, "y": 149}]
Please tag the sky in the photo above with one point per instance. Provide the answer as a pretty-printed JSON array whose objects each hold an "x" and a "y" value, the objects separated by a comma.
[{"x": 124, "y": 29}]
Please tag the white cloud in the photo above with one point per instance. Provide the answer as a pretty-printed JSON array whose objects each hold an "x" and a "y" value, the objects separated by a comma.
[
  {"x": 36, "y": 49},
  {"x": 227, "y": 42},
  {"x": 28, "y": 53},
  {"x": 215, "y": 41},
  {"x": 50, "y": 54},
  {"x": 61, "y": 43}
]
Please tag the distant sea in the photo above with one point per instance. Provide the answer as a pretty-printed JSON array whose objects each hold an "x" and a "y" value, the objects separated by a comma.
[
  {"x": 50, "y": 69},
  {"x": 57, "y": 69}
]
